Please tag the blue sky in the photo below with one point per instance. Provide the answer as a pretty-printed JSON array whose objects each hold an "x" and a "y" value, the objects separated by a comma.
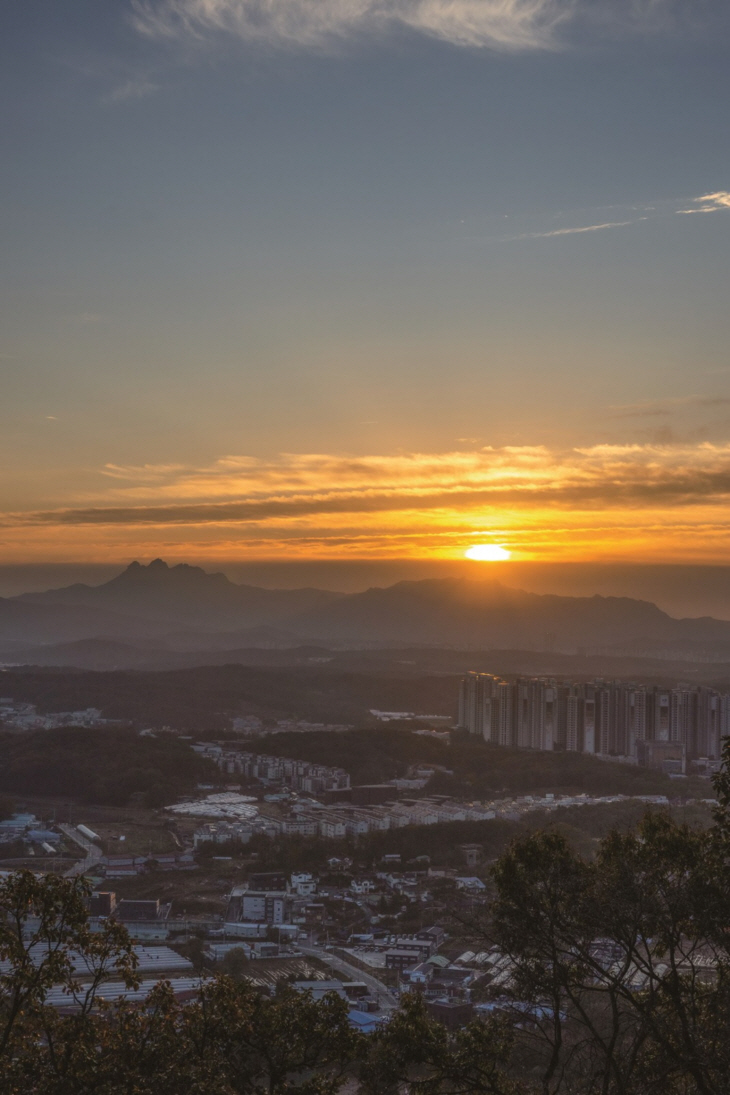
[{"x": 231, "y": 229}]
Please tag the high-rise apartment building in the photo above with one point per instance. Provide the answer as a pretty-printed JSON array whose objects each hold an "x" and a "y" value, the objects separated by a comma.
[{"x": 610, "y": 718}]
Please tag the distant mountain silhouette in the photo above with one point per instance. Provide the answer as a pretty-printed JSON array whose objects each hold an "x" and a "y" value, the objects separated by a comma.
[
  {"x": 187, "y": 595},
  {"x": 456, "y": 611},
  {"x": 192, "y": 610}
]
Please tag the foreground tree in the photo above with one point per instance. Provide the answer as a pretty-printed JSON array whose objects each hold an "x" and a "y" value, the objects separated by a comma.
[
  {"x": 621, "y": 966},
  {"x": 45, "y": 943},
  {"x": 414, "y": 1053},
  {"x": 229, "y": 1041}
]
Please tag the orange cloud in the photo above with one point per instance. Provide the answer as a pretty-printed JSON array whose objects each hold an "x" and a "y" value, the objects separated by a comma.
[{"x": 604, "y": 501}]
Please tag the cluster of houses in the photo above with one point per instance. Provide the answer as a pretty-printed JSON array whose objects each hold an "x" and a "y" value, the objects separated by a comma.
[
  {"x": 127, "y": 866},
  {"x": 265, "y": 919},
  {"x": 24, "y": 716},
  {"x": 308, "y": 817},
  {"x": 144, "y": 919},
  {"x": 27, "y": 828},
  {"x": 252, "y": 726}
]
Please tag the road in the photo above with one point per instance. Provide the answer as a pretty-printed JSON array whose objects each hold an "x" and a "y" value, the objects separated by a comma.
[
  {"x": 384, "y": 995},
  {"x": 93, "y": 852}
]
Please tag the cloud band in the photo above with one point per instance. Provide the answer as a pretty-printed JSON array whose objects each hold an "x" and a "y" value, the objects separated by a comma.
[
  {"x": 300, "y": 487},
  {"x": 320, "y": 24}
]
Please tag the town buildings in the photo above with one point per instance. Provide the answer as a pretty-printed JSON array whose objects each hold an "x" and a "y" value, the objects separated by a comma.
[
  {"x": 259, "y": 906},
  {"x": 25, "y": 717}
]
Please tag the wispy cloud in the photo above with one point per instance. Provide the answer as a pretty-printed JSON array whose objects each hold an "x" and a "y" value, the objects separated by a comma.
[
  {"x": 138, "y": 87},
  {"x": 575, "y": 231},
  {"x": 709, "y": 203},
  {"x": 317, "y": 24},
  {"x": 636, "y": 214},
  {"x": 506, "y": 24}
]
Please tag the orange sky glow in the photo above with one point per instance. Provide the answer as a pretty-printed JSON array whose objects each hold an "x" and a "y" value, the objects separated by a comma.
[
  {"x": 650, "y": 503},
  {"x": 340, "y": 280}
]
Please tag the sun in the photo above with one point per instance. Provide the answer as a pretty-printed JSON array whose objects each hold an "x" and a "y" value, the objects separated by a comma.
[{"x": 488, "y": 553}]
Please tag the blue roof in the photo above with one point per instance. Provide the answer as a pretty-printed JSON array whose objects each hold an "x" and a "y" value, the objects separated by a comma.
[{"x": 364, "y": 1021}]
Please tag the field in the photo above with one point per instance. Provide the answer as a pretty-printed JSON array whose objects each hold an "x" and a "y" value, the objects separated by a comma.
[{"x": 146, "y": 831}]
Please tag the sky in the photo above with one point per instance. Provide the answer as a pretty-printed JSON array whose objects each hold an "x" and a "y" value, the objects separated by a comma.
[{"x": 286, "y": 280}]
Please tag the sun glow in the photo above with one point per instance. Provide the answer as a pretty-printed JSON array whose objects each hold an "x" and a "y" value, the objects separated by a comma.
[
  {"x": 622, "y": 503},
  {"x": 488, "y": 553}
]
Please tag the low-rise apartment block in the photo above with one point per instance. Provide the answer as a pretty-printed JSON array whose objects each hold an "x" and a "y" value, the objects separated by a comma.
[
  {"x": 296, "y": 775},
  {"x": 259, "y": 906}
]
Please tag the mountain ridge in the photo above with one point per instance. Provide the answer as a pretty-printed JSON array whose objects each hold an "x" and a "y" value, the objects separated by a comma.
[
  {"x": 162, "y": 602},
  {"x": 185, "y": 594}
]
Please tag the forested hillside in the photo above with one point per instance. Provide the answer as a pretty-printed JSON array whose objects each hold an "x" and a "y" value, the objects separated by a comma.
[
  {"x": 207, "y": 697},
  {"x": 95, "y": 766},
  {"x": 473, "y": 768}
]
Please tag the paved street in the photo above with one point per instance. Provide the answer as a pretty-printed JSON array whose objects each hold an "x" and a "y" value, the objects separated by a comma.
[
  {"x": 385, "y": 996},
  {"x": 93, "y": 851}
]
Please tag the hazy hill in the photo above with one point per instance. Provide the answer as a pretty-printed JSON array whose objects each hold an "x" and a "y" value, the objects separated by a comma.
[
  {"x": 186, "y": 595},
  {"x": 153, "y": 655},
  {"x": 455, "y": 611},
  {"x": 199, "y": 613},
  {"x": 205, "y": 698},
  {"x": 48, "y": 622}
]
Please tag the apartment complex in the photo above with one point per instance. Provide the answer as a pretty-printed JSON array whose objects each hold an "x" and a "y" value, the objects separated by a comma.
[
  {"x": 609, "y": 718},
  {"x": 296, "y": 775}
]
